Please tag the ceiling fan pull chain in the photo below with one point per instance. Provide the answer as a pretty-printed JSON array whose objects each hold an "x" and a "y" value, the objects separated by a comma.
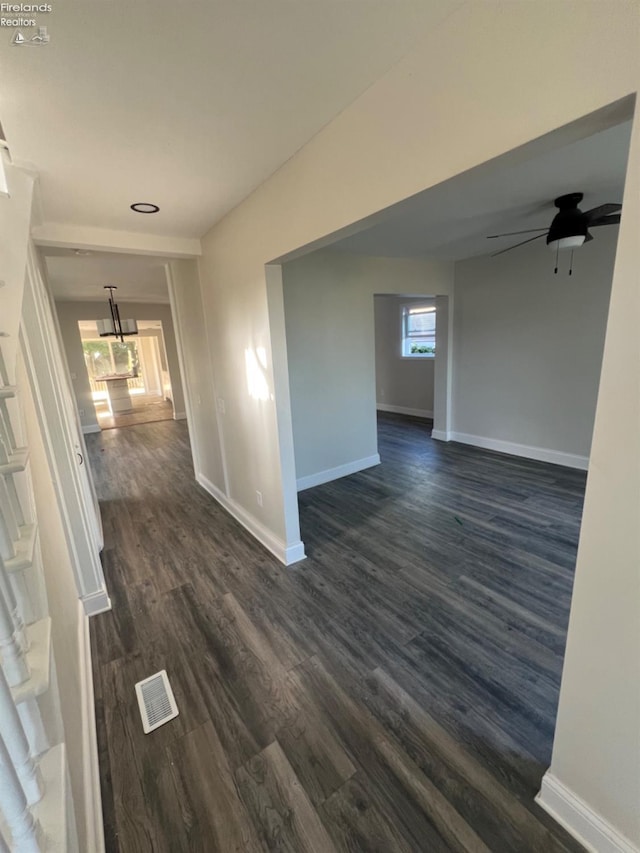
[
  {"x": 555, "y": 272},
  {"x": 571, "y": 264}
]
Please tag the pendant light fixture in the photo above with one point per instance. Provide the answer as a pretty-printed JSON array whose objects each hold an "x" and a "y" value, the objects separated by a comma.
[{"x": 115, "y": 327}]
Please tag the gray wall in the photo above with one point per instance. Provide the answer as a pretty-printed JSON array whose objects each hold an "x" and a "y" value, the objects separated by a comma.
[
  {"x": 70, "y": 313},
  {"x": 329, "y": 315},
  {"x": 528, "y": 345},
  {"x": 402, "y": 384}
]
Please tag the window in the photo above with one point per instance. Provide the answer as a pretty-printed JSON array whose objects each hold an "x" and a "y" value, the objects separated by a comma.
[
  {"x": 419, "y": 331},
  {"x": 105, "y": 358}
]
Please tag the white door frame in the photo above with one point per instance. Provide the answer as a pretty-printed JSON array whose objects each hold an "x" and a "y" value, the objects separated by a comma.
[{"x": 64, "y": 444}]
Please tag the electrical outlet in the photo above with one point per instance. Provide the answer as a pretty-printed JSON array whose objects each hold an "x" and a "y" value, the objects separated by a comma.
[{"x": 259, "y": 498}]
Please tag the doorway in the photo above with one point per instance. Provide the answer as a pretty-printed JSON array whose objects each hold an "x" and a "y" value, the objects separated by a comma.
[
  {"x": 405, "y": 354},
  {"x": 129, "y": 380}
]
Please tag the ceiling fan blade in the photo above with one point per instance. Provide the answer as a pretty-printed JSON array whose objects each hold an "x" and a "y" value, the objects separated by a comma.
[
  {"x": 530, "y": 240},
  {"x": 601, "y": 210},
  {"x": 588, "y": 238},
  {"x": 605, "y": 220},
  {"x": 513, "y": 233}
]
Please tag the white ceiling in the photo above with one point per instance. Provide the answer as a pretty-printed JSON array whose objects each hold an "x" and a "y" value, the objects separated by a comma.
[
  {"x": 139, "y": 278},
  {"x": 452, "y": 221},
  {"x": 188, "y": 105}
]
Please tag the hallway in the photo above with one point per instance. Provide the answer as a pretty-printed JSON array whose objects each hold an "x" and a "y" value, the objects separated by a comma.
[{"x": 396, "y": 691}]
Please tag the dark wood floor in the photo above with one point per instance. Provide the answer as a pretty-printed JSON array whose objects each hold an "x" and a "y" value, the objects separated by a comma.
[{"x": 395, "y": 692}]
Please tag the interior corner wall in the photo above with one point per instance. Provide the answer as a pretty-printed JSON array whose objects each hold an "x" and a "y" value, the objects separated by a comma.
[
  {"x": 528, "y": 348},
  {"x": 70, "y": 313},
  {"x": 596, "y": 749},
  {"x": 404, "y": 385},
  {"x": 329, "y": 315},
  {"x": 196, "y": 366}
]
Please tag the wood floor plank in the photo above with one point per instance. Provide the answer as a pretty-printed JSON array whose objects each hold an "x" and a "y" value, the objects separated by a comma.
[
  {"x": 369, "y": 745},
  {"x": 283, "y": 814},
  {"x": 394, "y": 692},
  {"x": 357, "y": 823},
  {"x": 218, "y": 820},
  {"x": 475, "y": 792},
  {"x": 318, "y": 759}
]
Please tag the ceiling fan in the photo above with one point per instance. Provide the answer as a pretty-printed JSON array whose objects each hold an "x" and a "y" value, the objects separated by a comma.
[{"x": 570, "y": 226}]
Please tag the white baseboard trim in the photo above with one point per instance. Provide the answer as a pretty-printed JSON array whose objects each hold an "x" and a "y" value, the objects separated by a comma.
[
  {"x": 179, "y": 416},
  {"x": 287, "y": 554},
  {"x": 405, "y": 410},
  {"x": 541, "y": 454},
  {"x": 91, "y": 428},
  {"x": 440, "y": 435},
  {"x": 330, "y": 474},
  {"x": 96, "y": 602},
  {"x": 94, "y": 826},
  {"x": 579, "y": 819}
]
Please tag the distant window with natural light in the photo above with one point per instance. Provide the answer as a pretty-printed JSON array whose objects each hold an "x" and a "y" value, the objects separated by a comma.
[{"x": 419, "y": 331}]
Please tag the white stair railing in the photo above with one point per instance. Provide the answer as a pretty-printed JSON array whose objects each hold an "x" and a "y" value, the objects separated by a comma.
[
  {"x": 17, "y": 618},
  {"x": 24, "y": 652},
  {"x": 14, "y": 662},
  {"x": 12, "y": 732},
  {"x": 25, "y": 831}
]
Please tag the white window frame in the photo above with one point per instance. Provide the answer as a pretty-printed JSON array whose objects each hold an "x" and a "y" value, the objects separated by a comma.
[{"x": 405, "y": 339}]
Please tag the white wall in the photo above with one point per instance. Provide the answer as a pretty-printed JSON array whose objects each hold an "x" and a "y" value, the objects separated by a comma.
[
  {"x": 528, "y": 346},
  {"x": 15, "y": 222},
  {"x": 406, "y": 133},
  {"x": 194, "y": 353},
  {"x": 70, "y": 313},
  {"x": 329, "y": 314},
  {"x": 448, "y": 107},
  {"x": 596, "y": 751},
  {"x": 402, "y": 384}
]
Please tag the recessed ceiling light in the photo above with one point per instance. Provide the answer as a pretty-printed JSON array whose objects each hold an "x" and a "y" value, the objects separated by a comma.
[{"x": 145, "y": 207}]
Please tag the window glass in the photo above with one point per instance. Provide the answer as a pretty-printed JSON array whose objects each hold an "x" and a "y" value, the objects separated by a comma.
[{"x": 419, "y": 331}]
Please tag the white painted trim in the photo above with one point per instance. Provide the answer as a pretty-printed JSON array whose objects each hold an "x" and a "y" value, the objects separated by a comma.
[
  {"x": 405, "y": 410},
  {"x": 94, "y": 826},
  {"x": 179, "y": 416},
  {"x": 440, "y": 435},
  {"x": 96, "y": 602},
  {"x": 287, "y": 554},
  {"x": 580, "y": 820},
  {"x": 329, "y": 474},
  {"x": 541, "y": 454},
  {"x": 58, "y": 421},
  {"x": 105, "y": 240},
  {"x": 91, "y": 428}
]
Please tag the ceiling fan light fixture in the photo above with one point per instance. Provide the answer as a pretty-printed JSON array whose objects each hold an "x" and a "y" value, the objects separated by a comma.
[{"x": 572, "y": 242}]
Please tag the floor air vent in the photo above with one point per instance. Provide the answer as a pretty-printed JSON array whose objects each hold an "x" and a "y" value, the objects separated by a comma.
[{"x": 156, "y": 701}]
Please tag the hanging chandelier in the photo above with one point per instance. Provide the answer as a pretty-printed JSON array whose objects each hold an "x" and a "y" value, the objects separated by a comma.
[{"x": 115, "y": 327}]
